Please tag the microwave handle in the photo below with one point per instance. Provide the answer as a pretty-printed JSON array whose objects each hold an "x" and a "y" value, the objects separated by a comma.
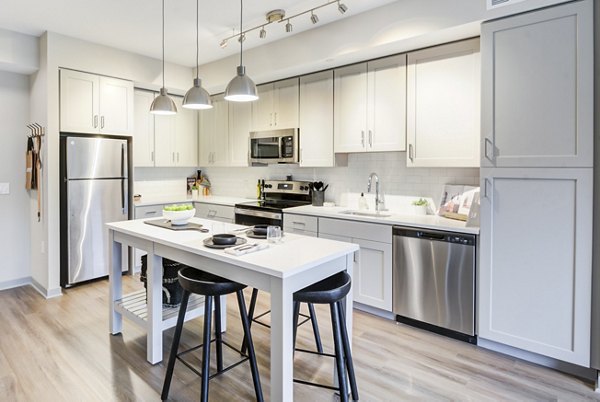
[{"x": 281, "y": 145}]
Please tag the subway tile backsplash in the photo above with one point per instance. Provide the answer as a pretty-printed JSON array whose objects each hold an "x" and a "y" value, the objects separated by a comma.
[{"x": 394, "y": 176}]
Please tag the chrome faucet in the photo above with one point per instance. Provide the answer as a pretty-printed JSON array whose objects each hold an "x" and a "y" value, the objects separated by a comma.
[{"x": 378, "y": 200}]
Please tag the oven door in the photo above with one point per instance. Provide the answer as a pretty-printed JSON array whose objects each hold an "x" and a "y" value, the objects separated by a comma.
[{"x": 251, "y": 217}]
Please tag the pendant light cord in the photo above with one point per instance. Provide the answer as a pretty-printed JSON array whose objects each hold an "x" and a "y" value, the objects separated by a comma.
[
  {"x": 163, "y": 43},
  {"x": 197, "y": 39},
  {"x": 241, "y": 30}
]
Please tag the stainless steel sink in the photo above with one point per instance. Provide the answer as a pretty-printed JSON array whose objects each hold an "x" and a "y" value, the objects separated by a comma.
[{"x": 372, "y": 214}]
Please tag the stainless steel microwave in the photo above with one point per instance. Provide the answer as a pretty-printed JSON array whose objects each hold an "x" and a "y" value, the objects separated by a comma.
[{"x": 275, "y": 146}]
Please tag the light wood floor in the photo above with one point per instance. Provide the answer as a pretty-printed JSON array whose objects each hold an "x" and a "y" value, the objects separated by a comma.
[{"x": 60, "y": 350}]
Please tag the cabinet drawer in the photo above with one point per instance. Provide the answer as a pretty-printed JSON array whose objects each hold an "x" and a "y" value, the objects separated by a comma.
[
  {"x": 149, "y": 211},
  {"x": 214, "y": 211},
  {"x": 300, "y": 223},
  {"x": 357, "y": 230}
]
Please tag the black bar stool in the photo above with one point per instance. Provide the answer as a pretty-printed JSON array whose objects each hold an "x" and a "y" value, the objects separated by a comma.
[
  {"x": 331, "y": 291},
  {"x": 211, "y": 287},
  {"x": 312, "y": 317}
]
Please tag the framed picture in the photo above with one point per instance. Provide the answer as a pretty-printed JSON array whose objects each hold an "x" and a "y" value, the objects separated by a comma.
[{"x": 456, "y": 201}]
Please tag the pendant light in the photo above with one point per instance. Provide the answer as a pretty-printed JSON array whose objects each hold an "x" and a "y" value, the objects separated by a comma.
[
  {"x": 197, "y": 97},
  {"x": 241, "y": 88},
  {"x": 163, "y": 104}
]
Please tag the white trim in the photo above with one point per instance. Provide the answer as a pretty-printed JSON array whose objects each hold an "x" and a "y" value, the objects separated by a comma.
[
  {"x": 48, "y": 294},
  {"x": 15, "y": 283}
]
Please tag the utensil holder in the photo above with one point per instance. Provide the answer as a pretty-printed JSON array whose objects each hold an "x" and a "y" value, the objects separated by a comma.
[{"x": 317, "y": 198}]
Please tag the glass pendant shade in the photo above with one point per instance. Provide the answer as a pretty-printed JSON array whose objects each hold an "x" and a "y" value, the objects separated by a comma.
[
  {"x": 163, "y": 104},
  {"x": 197, "y": 97},
  {"x": 241, "y": 88}
]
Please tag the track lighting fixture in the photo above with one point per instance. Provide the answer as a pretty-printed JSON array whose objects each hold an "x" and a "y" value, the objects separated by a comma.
[
  {"x": 223, "y": 44},
  {"x": 279, "y": 16}
]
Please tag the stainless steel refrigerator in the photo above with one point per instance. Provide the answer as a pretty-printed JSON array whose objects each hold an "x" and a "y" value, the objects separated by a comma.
[{"x": 95, "y": 189}]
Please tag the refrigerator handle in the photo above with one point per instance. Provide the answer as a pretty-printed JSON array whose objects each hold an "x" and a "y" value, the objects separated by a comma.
[{"x": 123, "y": 178}]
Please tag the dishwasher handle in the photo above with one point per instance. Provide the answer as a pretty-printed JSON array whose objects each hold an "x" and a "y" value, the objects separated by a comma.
[
  {"x": 431, "y": 236},
  {"x": 434, "y": 235}
]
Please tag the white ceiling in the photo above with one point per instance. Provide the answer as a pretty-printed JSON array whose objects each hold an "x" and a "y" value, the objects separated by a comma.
[{"x": 135, "y": 25}]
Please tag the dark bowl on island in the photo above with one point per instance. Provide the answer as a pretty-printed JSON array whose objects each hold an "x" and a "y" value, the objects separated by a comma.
[
  {"x": 224, "y": 239},
  {"x": 260, "y": 230}
]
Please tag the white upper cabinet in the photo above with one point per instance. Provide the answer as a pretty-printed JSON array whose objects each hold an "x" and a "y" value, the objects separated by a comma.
[
  {"x": 537, "y": 95},
  {"x": 95, "y": 104},
  {"x": 143, "y": 134},
  {"x": 240, "y": 117},
  {"x": 176, "y": 137},
  {"x": 214, "y": 134},
  {"x": 443, "y": 107},
  {"x": 186, "y": 135},
  {"x": 316, "y": 120},
  {"x": 277, "y": 106},
  {"x": 370, "y": 106}
]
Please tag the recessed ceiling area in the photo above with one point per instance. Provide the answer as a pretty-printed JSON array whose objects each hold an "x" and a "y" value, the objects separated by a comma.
[{"x": 135, "y": 25}]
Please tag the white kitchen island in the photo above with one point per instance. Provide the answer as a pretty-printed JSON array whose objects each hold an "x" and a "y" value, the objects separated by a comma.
[{"x": 280, "y": 270}]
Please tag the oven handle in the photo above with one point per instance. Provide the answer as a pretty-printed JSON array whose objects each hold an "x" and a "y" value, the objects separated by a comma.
[{"x": 260, "y": 214}]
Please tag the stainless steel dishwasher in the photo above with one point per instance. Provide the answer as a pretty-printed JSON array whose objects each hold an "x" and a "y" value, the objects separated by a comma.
[{"x": 434, "y": 281}]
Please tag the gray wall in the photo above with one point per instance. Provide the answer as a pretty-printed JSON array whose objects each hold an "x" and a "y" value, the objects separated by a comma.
[{"x": 14, "y": 207}]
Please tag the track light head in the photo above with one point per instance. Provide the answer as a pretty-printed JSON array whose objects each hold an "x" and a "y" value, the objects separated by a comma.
[
  {"x": 288, "y": 27},
  {"x": 241, "y": 37},
  {"x": 223, "y": 44},
  {"x": 342, "y": 8},
  {"x": 314, "y": 18},
  {"x": 262, "y": 34}
]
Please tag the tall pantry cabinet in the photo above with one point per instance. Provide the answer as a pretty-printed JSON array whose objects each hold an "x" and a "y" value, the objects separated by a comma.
[{"x": 536, "y": 182}]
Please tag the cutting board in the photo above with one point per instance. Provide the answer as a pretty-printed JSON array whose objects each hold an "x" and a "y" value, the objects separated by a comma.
[{"x": 164, "y": 223}]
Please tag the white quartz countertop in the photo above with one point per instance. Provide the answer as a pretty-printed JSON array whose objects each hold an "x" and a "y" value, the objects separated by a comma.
[
  {"x": 170, "y": 199},
  {"x": 295, "y": 254},
  {"x": 419, "y": 221}
]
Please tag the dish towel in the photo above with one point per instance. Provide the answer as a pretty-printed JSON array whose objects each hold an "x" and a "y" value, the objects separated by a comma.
[{"x": 245, "y": 249}]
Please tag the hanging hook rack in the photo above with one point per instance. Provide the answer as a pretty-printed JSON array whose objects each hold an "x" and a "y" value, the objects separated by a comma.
[{"x": 36, "y": 130}]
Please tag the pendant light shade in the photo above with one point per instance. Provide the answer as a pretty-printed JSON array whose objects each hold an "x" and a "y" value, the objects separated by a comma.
[
  {"x": 163, "y": 104},
  {"x": 197, "y": 97},
  {"x": 241, "y": 88}
]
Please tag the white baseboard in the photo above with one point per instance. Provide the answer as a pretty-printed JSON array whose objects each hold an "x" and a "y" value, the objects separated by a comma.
[
  {"x": 374, "y": 311},
  {"x": 15, "y": 283},
  {"x": 48, "y": 294}
]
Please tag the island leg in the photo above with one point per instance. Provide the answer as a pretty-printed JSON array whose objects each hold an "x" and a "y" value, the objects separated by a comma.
[
  {"x": 154, "y": 338},
  {"x": 115, "y": 319},
  {"x": 282, "y": 363}
]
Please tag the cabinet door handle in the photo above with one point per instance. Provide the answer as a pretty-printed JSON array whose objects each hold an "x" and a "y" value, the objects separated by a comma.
[
  {"x": 150, "y": 213},
  {"x": 362, "y": 138},
  {"x": 173, "y": 156},
  {"x": 152, "y": 156},
  {"x": 270, "y": 119},
  {"x": 298, "y": 223},
  {"x": 275, "y": 119},
  {"x": 485, "y": 150},
  {"x": 410, "y": 152},
  {"x": 102, "y": 122},
  {"x": 370, "y": 138},
  {"x": 95, "y": 121},
  {"x": 485, "y": 188}
]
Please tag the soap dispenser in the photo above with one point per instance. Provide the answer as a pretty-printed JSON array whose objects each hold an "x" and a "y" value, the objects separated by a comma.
[{"x": 362, "y": 202}]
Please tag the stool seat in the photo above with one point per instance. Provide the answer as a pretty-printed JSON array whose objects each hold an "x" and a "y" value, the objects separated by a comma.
[
  {"x": 327, "y": 291},
  {"x": 203, "y": 283}
]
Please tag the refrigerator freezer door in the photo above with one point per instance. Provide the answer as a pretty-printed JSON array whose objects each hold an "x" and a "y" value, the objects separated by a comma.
[
  {"x": 89, "y": 158},
  {"x": 91, "y": 204}
]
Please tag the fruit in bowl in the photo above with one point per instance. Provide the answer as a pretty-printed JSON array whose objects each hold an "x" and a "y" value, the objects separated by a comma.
[{"x": 179, "y": 214}]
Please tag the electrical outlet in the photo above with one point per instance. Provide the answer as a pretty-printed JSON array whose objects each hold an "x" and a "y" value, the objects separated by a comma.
[{"x": 4, "y": 188}]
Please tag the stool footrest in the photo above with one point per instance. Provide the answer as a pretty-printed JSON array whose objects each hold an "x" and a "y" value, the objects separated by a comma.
[
  {"x": 192, "y": 368},
  {"x": 316, "y": 384},
  {"x": 314, "y": 352}
]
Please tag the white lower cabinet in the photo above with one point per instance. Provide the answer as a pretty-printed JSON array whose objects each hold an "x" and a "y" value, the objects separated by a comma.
[
  {"x": 216, "y": 212},
  {"x": 372, "y": 282},
  {"x": 148, "y": 211},
  {"x": 536, "y": 260}
]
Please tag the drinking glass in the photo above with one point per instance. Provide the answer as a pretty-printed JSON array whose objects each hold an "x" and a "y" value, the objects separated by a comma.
[{"x": 273, "y": 234}]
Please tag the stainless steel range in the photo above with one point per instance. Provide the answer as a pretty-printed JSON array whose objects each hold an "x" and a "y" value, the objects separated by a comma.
[{"x": 276, "y": 196}]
